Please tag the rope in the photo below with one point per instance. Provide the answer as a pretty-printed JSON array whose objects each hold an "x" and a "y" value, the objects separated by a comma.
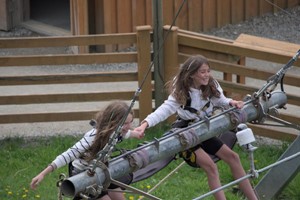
[
  {"x": 165, "y": 178},
  {"x": 161, "y": 46}
]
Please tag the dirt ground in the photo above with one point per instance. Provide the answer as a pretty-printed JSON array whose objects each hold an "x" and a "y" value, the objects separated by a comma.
[{"x": 284, "y": 26}]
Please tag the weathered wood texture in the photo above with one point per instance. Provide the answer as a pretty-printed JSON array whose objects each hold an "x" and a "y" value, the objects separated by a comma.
[{"x": 225, "y": 56}]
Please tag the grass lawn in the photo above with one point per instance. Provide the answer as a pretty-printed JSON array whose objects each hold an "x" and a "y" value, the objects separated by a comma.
[{"x": 22, "y": 158}]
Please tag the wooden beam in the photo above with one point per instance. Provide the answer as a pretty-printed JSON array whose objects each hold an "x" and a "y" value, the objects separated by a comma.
[
  {"x": 50, "y": 116},
  {"x": 61, "y": 41},
  {"x": 237, "y": 49},
  {"x": 65, "y": 97},
  {"x": 68, "y": 78},
  {"x": 68, "y": 59}
]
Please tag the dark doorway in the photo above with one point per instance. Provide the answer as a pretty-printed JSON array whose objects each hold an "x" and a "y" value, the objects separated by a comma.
[{"x": 51, "y": 12}]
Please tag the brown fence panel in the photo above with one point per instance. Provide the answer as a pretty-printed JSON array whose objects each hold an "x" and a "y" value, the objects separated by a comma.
[
  {"x": 251, "y": 8},
  {"x": 195, "y": 17},
  {"x": 182, "y": 20},
  {"x": 138, "y": 13},
  {"x": 64, "y": 97},
  {"x": 237, "y": 11},
  {"x": 50, "y": 116},
  {"x": 223, "y": 13},
  {"x": 209, "y": 14},
  {"x": 292, "y": 3},
  {"x": 265, "y": 7},
  {"x": 68, "y": 78},
  {"x": 168, "y": 11},
  {"x": 142, "y": 39}
]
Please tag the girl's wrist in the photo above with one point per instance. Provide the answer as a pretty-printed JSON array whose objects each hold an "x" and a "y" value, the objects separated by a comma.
[{"x": 145, "y": 124}]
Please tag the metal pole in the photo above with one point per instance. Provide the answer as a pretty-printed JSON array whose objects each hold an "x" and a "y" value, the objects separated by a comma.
[
  {"x": 248, "y": 176},
  {"x": 172, "y": 145},
  {"x": 158, "y": 53}
]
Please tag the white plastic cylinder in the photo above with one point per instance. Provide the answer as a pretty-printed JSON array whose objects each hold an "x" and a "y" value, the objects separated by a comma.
[{"x": 245, "y": 137}]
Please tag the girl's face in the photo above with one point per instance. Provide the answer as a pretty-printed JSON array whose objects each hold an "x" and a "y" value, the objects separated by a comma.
[
  {"x": 127, "y": 124},
  {"x": 201, "y": 76}
]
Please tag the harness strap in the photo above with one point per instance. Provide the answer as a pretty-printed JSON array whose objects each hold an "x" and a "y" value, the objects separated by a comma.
[{"x": 188, "y": 107}]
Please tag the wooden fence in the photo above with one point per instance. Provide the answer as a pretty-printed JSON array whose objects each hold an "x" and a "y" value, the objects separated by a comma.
[
  {"x": 117, "y": 16},
  {"x": 142, "y": 40},
  {"x": 226, "y": 56}
]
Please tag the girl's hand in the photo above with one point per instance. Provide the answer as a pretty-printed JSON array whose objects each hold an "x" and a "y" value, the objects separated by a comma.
[
  {"x": 237, "y": 104},
  {"x": 36, "y": 180},
  {"x": 142, "y": 127},
  {"x": 137, "y": 134}
]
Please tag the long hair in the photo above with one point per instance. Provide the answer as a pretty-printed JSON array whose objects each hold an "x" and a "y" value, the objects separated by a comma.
[
  {"x": 107, "y": 122},
  {"x": 179, "y": 87}
]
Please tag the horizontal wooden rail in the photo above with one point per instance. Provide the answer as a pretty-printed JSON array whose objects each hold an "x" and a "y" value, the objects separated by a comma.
[
  {"x": 245, "y": 90},
  {"x": 104, "y": 58},
  {"x": 50, "y": 116},
  {"x": 193, "y": 41},
  {"x": 250, "y": 72},
  {"x": 65, "y": 97},
  {"x": 68, "y": 78},
  {"x": 83, "y": 40}
]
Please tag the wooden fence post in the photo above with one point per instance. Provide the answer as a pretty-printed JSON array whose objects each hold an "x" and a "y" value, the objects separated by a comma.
[
  {"x": 170, "y": 52},
  {"x": 144, "y": 75},
  {"x": 170, "y": 56}
]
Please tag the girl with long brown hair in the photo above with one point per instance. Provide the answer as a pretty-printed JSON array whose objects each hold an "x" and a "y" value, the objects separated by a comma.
[
  {"x": 193, "y": 95},
  {"x": 86, "y": 149}
]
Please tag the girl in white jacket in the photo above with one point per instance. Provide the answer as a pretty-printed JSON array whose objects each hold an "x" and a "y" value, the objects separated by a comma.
[{"x": 193, "y": 94}]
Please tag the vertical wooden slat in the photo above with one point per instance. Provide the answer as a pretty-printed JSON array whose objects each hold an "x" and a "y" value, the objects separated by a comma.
[
  {"x": 99, "y": 18},
  {"x": 168, "y": 11},
  {"x": 171, "y": 63},
  {"x": 223, "y": 12},
  {"x": 171, "y": 53},
  {"x": 182, "y": 19},
  {"x": 82, "y": 22},
  {"x": 26, "y": 10},
  {"x": 144, "y": 60},
  {"x": 195, "y": 15},
  {"x": 209, "y": 14},
  {"x": 110, "y": 21},
  {"x": 72, "y": 17},
  {"x": 264, "y": 7},
  {"x": 5, "y": 22},
  {"x": 237, "y": 11},
  {"x": 281, "y": 4},
  {"x": 148, "y": 11},
  {"x": 99, "y": 22},
  {"x": 124, "y": 18},
  {"x": 82, "y": 13},
  {"x": 138, "y": 13},
  {"x": 251, "y": 8},
  {"x": 292, "y": 3},
  {"x": 79, "y": 22}
]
